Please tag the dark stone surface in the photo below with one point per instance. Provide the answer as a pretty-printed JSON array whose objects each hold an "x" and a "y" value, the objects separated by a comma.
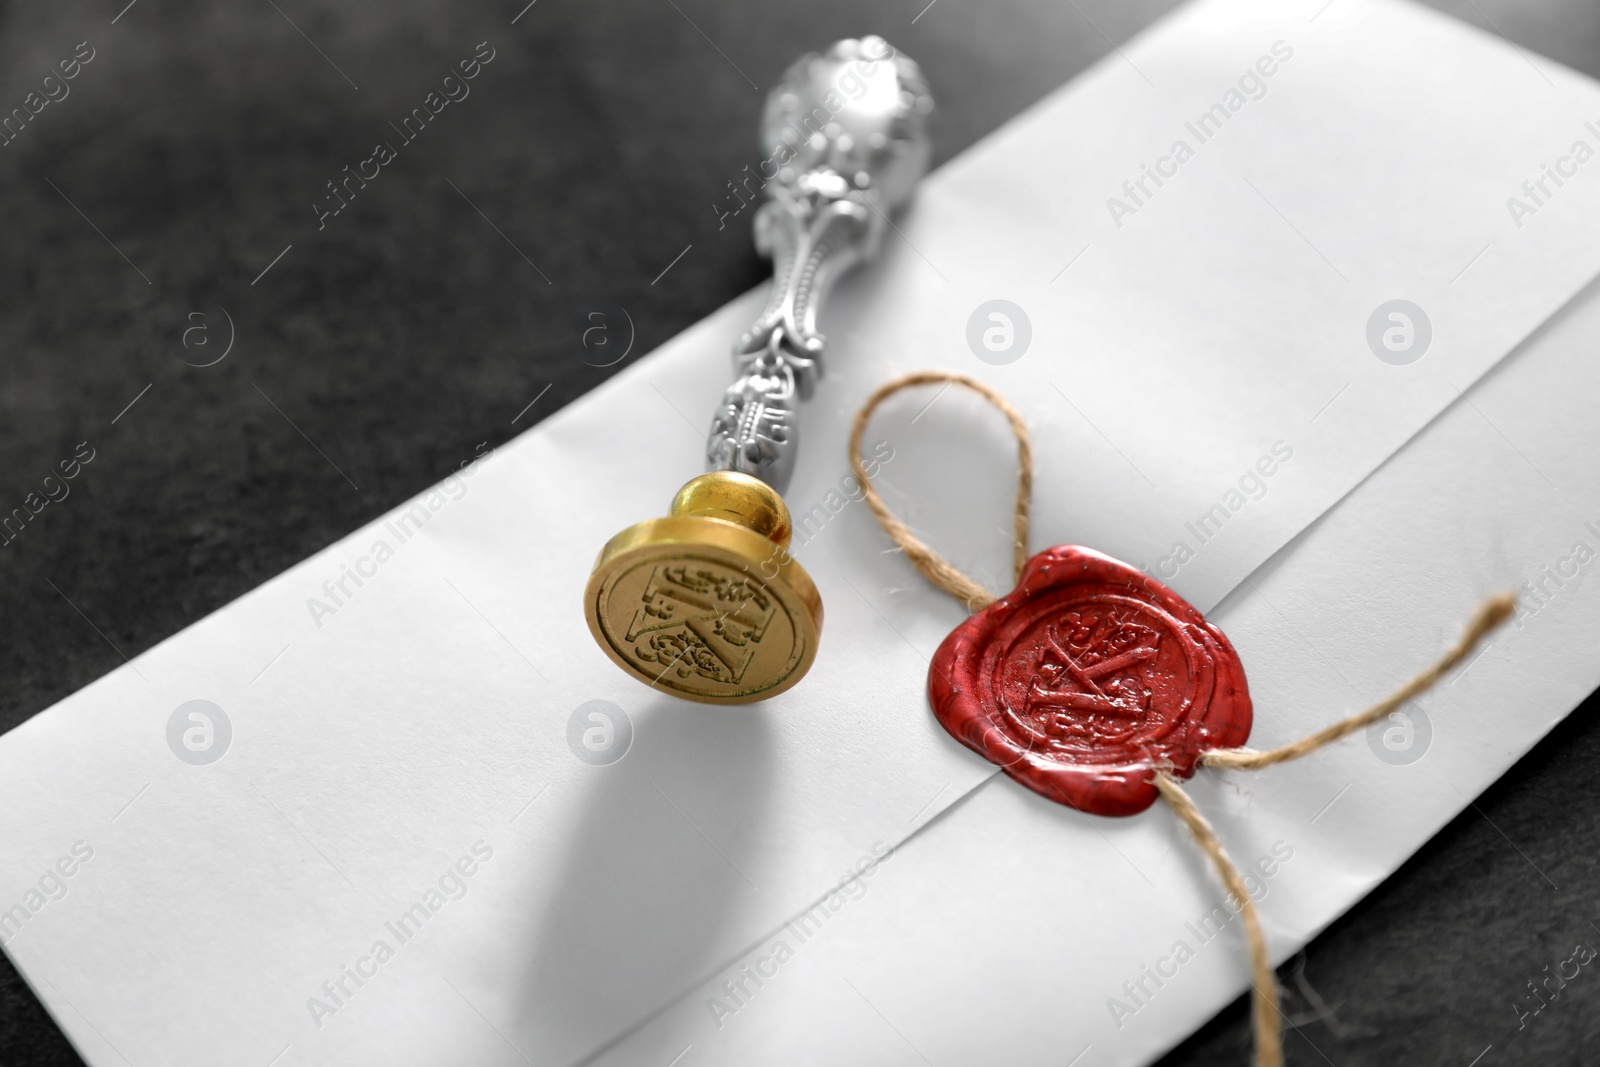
[{"x": 409, "y": 329}]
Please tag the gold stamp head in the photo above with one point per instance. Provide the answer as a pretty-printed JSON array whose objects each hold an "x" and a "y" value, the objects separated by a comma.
[{"x": 707, "y": 604}]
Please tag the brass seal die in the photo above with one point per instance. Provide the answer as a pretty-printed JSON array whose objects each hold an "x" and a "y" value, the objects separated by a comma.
[{"x": 707, "y": 604}]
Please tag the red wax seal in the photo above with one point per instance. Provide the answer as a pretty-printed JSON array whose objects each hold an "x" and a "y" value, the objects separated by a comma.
[{"x": 1087, "y": 679}]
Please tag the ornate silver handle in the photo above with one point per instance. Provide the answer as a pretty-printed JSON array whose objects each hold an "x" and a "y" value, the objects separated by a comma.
[{"x": 847, "y": 139}]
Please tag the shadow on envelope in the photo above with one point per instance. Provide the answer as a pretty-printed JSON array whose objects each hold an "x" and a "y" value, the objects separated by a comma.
[{"x": 650, "y": 875}]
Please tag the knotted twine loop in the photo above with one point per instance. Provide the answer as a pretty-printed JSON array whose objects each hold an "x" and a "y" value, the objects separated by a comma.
[
  {"x": 1489, "y": 615},
  {"x": 933, "y": 566}
]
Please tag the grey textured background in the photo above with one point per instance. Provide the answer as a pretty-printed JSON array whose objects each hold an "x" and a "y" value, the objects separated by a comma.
[{"x": 409, "y": 330}]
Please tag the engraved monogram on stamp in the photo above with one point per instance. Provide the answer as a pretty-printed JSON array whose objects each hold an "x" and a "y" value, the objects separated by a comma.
[
  {"x": 707, "y": 603},
  {"x": 698, "y": 619}
]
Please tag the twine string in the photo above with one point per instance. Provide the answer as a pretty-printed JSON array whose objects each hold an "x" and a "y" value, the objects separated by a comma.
[
  {"x": 1269, "y": 1043},
  {"x": 933, "y": 566},
  {"x": 1265, "y": 1010},
  {"x": 1490, "y": 614}
]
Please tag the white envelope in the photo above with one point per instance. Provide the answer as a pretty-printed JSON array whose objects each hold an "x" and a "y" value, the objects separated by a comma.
[
  {"x": 398, "y": 772},
  {"x": 1015, "y": 931}
]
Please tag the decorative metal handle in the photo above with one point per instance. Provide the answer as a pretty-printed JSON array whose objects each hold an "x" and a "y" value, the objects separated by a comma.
[
  {"x": 707, "y": 603},
  {"x": 847, "y": 139}
]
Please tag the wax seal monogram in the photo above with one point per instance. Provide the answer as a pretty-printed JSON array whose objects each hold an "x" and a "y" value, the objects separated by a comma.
[
  {"x": 707, "y": 603},
  {"x": 1087, "y": 679}
]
